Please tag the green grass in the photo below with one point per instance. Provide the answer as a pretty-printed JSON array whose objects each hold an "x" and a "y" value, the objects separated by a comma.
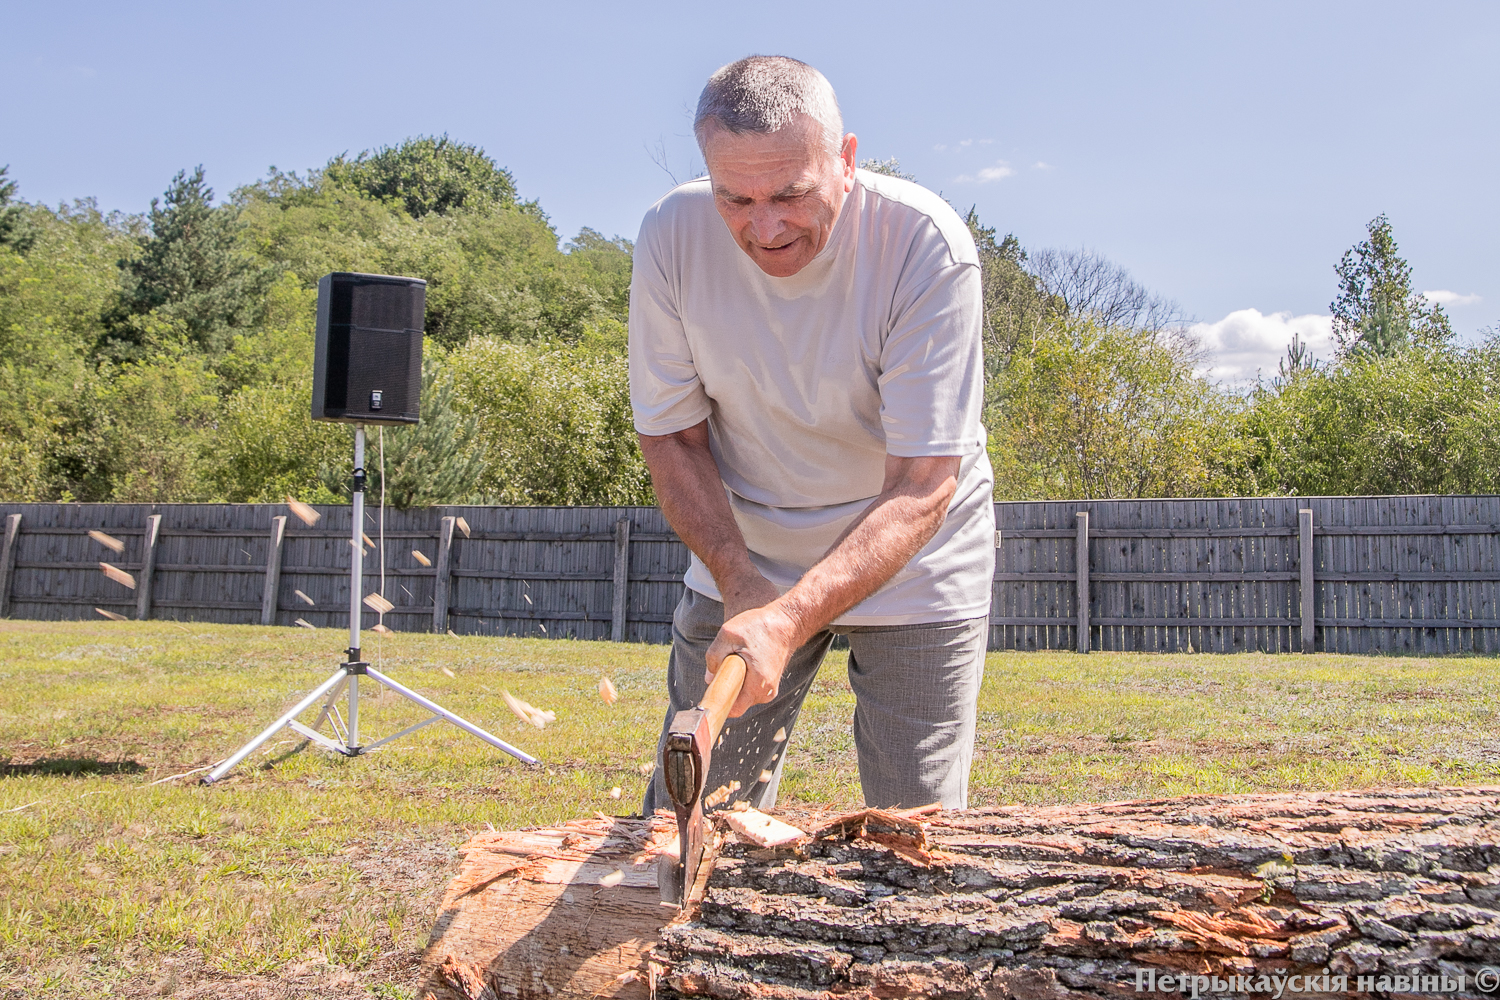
[{"x": 311, "y": 874}]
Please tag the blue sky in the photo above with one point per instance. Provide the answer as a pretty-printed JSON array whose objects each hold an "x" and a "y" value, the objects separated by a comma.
[{"x": 1226, "y": 154}]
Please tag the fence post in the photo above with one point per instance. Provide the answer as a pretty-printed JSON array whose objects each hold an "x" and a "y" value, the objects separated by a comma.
[
  {"x": 273, "y": 572},
  {"x": 622, "y": 580},
  {"x": 442, "y": 575},
  {"x": 8, "y": 561},
  {"x": 148, "y": 568},
  {"x": 1305, "y": 564},
  {"x": 1083, "y": 581}
]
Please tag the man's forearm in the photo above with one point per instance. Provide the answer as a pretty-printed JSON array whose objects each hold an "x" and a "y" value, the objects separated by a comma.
[
  {"x": 884, "y": 538},
  {"x": 691, "y": 495}
]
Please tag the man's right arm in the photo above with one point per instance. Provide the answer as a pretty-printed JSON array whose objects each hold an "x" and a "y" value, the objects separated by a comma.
[{"x": 692, "y": 498}]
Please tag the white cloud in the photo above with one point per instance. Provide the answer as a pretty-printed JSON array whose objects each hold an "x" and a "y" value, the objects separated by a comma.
[
  {"x": 998, "y": 172},
  {"x": 1443, "y": 297},
  {"x": 1247, "y": 341},
  {"x": 967, "y": 142},
  {"x": 1041, "y": 165}
]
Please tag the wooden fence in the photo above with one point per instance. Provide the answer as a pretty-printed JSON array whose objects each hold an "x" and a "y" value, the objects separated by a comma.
[{"x": 1341, "y": 574}]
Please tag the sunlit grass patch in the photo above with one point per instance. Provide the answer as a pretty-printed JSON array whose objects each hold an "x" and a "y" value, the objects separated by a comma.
[{"x": 324, "y": 872}]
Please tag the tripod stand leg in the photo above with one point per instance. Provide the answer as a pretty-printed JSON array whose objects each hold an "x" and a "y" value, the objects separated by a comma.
[
  {"x": 274, "y": 728},
  {"x": 333, "y": 696},
  {"x": 439, "y": 710}
]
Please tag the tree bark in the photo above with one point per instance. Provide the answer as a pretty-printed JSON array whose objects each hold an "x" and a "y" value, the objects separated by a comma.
[{"x": 1060, "y": 901}]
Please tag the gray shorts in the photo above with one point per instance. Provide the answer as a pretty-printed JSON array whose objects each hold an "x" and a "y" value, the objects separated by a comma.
[{"x": 915, "y": 689}]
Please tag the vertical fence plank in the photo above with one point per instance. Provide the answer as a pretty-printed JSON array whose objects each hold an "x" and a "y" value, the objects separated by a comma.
[
  {"x": 1083, "y": 581},
  {"x": 622, "y": 581},
  {"x": 8, "y": 560},
  {"x": 273, "y": 571},
  {"x": 1305, "y": 564},
  {"x": 148, "y": 567},
  {"x": 444, "y": 575}
]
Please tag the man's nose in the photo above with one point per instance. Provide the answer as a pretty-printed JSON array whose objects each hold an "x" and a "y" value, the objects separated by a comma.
[{"x": 766, "y": 223}]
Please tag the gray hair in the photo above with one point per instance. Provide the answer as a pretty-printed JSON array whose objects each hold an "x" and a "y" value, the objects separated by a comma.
[{"x": 763, "y": 94}]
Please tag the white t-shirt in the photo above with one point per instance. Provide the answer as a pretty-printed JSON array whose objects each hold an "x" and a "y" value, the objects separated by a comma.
[{"x": 808, "y": 382}]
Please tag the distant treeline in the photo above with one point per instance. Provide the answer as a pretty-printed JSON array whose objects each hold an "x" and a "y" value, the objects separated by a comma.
[{"x": 168, "y": 357}]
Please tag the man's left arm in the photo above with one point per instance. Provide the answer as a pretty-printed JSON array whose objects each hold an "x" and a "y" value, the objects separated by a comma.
[{"x": 905, "y": 516}]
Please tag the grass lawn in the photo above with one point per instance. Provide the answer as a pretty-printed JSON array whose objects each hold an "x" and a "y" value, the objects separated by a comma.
[{"x": 308, "y": 874}]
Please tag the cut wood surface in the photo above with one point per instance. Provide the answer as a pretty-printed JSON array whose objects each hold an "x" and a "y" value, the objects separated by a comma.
[{"x": 1026, "y": 902}]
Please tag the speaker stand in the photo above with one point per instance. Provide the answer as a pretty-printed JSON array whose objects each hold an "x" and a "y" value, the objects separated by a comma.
[{"x": 345, "y": 739}]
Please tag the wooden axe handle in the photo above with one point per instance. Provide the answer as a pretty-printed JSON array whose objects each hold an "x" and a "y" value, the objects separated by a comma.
[{"x": 721, "y": 694}]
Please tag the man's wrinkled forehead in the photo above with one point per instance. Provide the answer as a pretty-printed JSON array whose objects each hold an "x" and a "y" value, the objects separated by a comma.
[{"x": 796, "y": 148}]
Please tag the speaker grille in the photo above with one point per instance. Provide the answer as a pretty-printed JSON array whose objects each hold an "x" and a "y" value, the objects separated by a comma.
[{"x": 369, "y": 347}]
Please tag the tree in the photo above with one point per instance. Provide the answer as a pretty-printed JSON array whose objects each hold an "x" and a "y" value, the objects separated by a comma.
[
  {"x": 1420, "y": 420},
  {"x": 557, "y": 419},
  {"x": 1088, "y": 284},
  {"x": 1376, "y": 309},
  {"x": 1090, "y": 411},
  {"x": 191, "y": 272},
  {"x": 16, "y": 231},
  {"x": 440, "y": 460},
  {"x": 1016, "y": 308},
  {"x": 428, "y": 174}
]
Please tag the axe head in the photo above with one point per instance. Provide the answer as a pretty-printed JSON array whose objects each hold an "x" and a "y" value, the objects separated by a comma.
[{"x": 684, "y": 765}]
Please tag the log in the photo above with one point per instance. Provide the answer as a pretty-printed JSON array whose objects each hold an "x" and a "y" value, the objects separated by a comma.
[{"x": 1375, "y": 892}]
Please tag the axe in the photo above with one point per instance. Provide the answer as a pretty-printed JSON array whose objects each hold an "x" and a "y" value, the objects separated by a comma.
[{"x": 684, "y": 766}]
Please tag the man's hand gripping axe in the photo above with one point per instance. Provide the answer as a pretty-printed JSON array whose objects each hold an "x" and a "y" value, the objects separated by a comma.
[{"x": 684, "y": 765}]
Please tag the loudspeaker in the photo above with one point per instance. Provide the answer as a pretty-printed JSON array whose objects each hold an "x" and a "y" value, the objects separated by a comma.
[{"x": 367, "y": 362}]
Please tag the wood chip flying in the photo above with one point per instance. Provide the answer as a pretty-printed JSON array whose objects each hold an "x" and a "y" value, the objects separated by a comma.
[
  {"x": 118, "y": 575},
  {"x": 111, "y": 615},
  {"x": 419, "y": 557},
  {"x": 720, "y": 795},
  {"x": 762, "y": 830},
  {"x": 378, "y": 627},
  {"x": 377, "y": 603},
  {"x": 462, "y": 525},
  {"x": 108, "y": 541},
  {"x": 304, "y": 623},
  {"x": 527, "y": 712},
  {"x": 780, "y": 735},
  {"x": 304, "y": 513},
  {"x": 607, "y": 690},
  {"x": 369, "y": 543},
  {"x": 304, "y": 598}
]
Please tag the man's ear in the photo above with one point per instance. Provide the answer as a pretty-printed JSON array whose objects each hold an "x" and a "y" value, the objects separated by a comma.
[{"x": 847, "y": 154}]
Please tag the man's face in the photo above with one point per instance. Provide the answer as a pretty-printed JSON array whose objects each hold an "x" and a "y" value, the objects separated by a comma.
[{"x": 779, "y": 194}]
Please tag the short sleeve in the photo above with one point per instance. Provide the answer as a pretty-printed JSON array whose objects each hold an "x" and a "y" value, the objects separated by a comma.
[
  {"x": 932, "y": 365},
  {"x": 666, "y": 394}
]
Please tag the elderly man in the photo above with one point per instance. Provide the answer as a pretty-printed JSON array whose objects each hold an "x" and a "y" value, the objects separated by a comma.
[{"x": 806, "y": 378}]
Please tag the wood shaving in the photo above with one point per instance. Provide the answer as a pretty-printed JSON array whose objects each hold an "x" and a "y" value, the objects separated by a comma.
[
  {"x": 462, "y": 525},
  {"x": 614, "y": 792},
  {"x": 378, "y": 627},
  {"x": 304, "y": 623},
  {"x": 366, "y": 537},
  {"x": 780, "y": 735},
  {"x": 611, "y": 880},
  {"x": 377, "y": 603},
  {"x": 761, "y": 830},
  {"x": 765, "y": 776},
  {"x": 118, "y": 575},
  {"x": 720, "y": 795},
  {"x": 448, "y": 672},
  {"x": 607, "y": 691},
  {"x": 646, "y": 769},
  {"x": 419, "y": 557},
  {"x": 304, "y": 513},
  {"x": 108, "y": 541},
  {"x": 453, "y": 633},
  {"x": 527, "y": 712},
  {"x": 304, "y": 598},
  {"x": 111, "y": 615}
]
